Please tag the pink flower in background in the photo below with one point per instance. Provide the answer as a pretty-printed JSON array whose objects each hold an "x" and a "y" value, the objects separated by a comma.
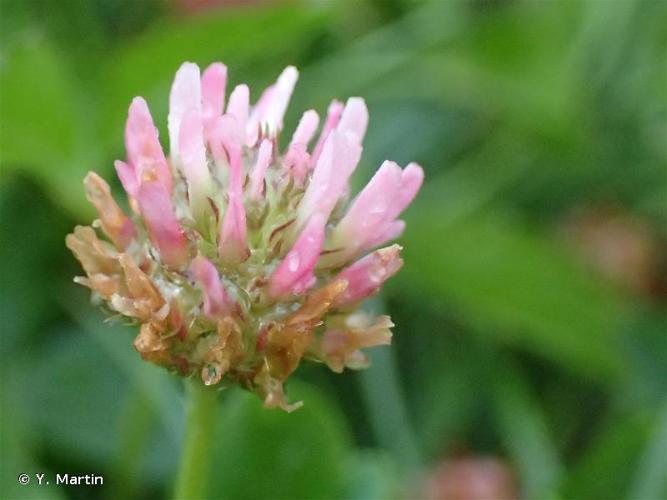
[{"x": 239, "y": 259}]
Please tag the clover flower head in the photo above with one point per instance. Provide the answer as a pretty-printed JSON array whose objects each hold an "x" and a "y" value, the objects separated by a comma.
[{"x": 239, "y": 260}]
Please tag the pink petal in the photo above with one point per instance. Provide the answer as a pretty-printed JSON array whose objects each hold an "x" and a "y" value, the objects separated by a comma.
[
  {"x": 213, "y": 82},
  {"x": 366, "y": 276},
  {"x": 231, "y": 136},
  {"x": 354, "y": 118},
  {"x": 411, "y": 181},
  {"x": 233, "y": 245},
  {"x": 185, "y": 94},
  {"x": 294, "y": 274},
  {"x": 306, "y": 128},
  {"x": 277, "y": 105},
  {"x": 259, "y": 172},
  {"x": 259, "y": 109},
  {"x": 194, "y": 162},
  {"x": 339, "y": 158},
  {"x": 217, "y": 302},
  {"x": 370, "y": 209},
  {"x": 230, "y": 129},
  {"x": 389, "y": 232},
  {"x": 297, "y": 159},
  {"x": 238, "y": 107},
  {"x": 213, "y": 135},
  {"x": 128, "y": 178},
  {"x": 371, "y": 218},
  {"x": 333, "y": 116},
  {"x": 296, "y": 162},
  {"x": 144, "y": 152},
  {"x": 163, "y": 229}
]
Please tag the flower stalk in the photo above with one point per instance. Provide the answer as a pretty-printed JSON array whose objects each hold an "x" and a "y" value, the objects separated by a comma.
[{"x": 201, "y": 419}]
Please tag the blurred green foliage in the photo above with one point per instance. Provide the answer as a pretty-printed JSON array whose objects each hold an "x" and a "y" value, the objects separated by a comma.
[{"x": 509, "y": 341}]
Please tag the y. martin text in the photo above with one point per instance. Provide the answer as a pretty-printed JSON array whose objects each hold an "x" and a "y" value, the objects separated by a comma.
[{"x": 76, "y": 480}]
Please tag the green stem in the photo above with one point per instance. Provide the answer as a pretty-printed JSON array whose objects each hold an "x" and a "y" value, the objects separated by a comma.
[
  {"x": 134, "y": 431},
  {"x": 201, "y": 418}
]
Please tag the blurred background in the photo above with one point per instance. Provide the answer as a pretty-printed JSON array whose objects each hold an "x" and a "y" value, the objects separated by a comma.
[{"x": 530, "y": 348}]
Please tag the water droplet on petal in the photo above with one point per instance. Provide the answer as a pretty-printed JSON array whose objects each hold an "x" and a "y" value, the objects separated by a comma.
[
  {"x": 211, "y": 374},
  {"x": 293, "y": 261},
  {"x": 378, "y": 209},
  {"x": 376, "y": 275}
]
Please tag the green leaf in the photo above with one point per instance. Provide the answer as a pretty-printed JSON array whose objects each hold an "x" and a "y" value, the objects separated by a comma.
[
  {"x": 606, "y": 468},
  {"x": 77, "y": 415},
  {"x": 45, "y": 130},
  {"x": 17, "y": 450},
  {"x": 379, "y": 59},
  {"x": 523, "y": 426},
  {"x": 650, "y": 479},
  {"x": 272, "y": 454},
  {"x": 133, "y": 438},
  {"x": 115, "y": 340},
  {"x": 26, "y": 301},
  {"x": 386, "y": 408},
  {"x": 36, "y": 104},
  {"x": 101, "y": 377},
  {"x": 372, "y": 476},
  {"x": 447, "y": 403},
  {"x": 512, "y": 284}
]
